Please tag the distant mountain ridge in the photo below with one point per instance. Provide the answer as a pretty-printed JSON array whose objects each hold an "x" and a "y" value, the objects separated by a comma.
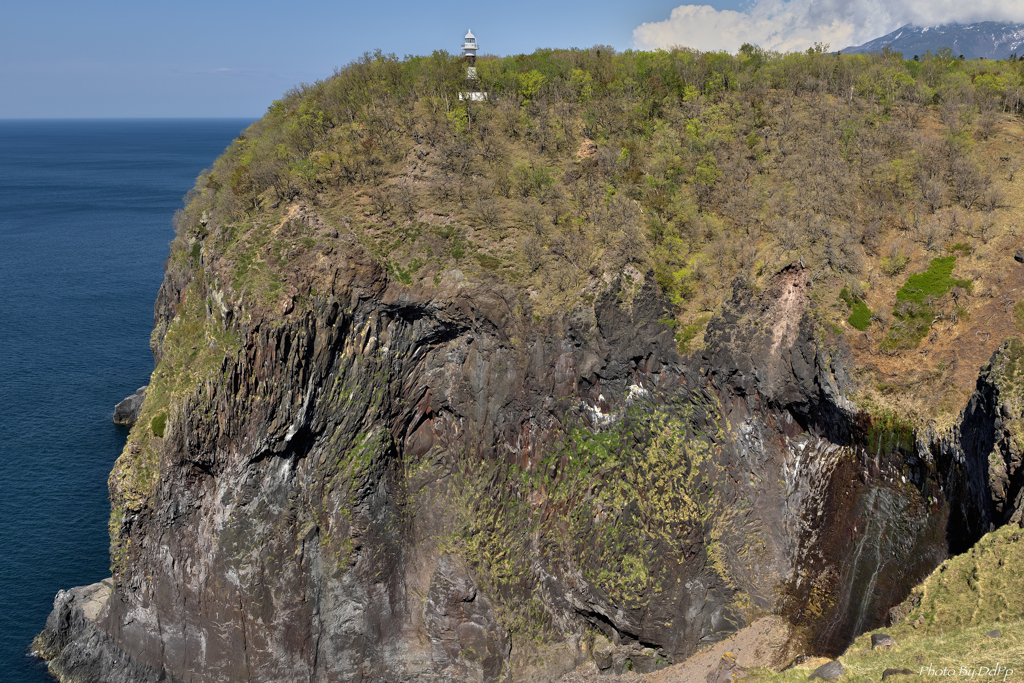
[{"x": 988, "y": 39}]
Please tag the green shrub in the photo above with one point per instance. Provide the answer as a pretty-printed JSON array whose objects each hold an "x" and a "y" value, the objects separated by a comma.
[
  {"x": 861, "y": 316},
  {"x": 686, "y": 335},
  {"x": 914, "y": 310},
  {"x": 159, "y": 423},
  {"x": 487, "y": 262},
  {"x": 1014, "y": 353},
  {"x": 405, "y": 275},
  {"x": 932, "y": 283}
]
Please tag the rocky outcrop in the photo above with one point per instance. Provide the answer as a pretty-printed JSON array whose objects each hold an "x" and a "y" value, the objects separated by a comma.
[
  {"x": 984, "y": 451},
  {"x": 460, "y": 622},
  {"x": 80, "y": 651},
  {"x": 127, "y": 411},
  {"x": 391, "y": 483}
]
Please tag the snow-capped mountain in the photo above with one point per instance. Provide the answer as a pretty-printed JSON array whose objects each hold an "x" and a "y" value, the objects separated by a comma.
[{"x": 989, "y": 39}]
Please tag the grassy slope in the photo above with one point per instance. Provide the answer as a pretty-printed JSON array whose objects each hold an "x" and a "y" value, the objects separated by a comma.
[{"x": 965, "y": 598}]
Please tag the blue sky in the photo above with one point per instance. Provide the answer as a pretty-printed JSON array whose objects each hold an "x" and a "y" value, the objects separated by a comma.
[{"x": 113, "y": 58}]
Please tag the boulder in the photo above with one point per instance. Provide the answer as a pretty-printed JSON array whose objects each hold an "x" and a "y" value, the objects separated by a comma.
[
  {"x": 1019, "y": 256},
  {"x": 832, "y": 671},
  {"x": 127, "y": 411},
  {"x": 881, "y": 640},
  {"x": 644, "y": 660},
  {"x": 603, "y": 651},
  {"x": 994, "y": 633},
  {"x": 728, "y": 669},
  {"x": 1017, "y": 515},
  {"x": 889, "y": 673}
]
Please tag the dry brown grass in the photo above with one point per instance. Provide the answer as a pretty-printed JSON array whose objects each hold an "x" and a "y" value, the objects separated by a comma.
[{"x": 934, "y": 381}]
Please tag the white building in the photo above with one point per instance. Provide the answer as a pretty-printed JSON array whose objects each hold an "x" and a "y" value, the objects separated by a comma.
[{"x": 469, "y": 48}]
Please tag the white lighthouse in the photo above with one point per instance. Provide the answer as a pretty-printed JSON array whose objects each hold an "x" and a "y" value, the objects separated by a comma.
[{"x": 469, "y": 48}]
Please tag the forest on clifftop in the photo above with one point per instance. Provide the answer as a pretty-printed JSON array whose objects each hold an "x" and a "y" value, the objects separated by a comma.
[{"x": 870, "y": 170}]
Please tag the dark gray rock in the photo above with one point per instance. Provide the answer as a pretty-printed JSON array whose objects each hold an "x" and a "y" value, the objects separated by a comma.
[
  {"x": 466, "y": 638},
  {"x": 889, "y": 673},
  {"x": 1019, "y": 256},
  {"x": 901, "y": 611},
  {"x": 643, "y": 660},
  {"x": 832, "y": 671},
  {"x": 337, "y": 496},
  {"x": 881, "y": 640},
  {"x": 981, "y": 454},
  {"x": 994, "y": 633},
  {"x": 1017, "y": 515},
  {"x": 127, "y": 411},
  {"x": 80, "y": 652},
  {"x": 603, "y": 653}
]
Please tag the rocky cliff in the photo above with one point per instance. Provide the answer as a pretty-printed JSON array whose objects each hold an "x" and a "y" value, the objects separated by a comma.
[
  {"x": 984, "y": 449},
  {"x": 375, "y": 481},
  {"x": 641, "y": 349}
]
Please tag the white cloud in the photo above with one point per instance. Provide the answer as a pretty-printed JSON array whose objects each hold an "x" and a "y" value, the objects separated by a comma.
[{"x": 787, "y": 25}]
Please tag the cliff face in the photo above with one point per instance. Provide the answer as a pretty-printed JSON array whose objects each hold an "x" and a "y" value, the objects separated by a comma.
[
  {"x": 985, "y": 450},
  {"x": 378, "y": 482}
]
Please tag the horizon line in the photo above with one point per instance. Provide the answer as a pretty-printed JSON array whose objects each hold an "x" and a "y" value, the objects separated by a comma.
[{"x": 128, "y": 118}]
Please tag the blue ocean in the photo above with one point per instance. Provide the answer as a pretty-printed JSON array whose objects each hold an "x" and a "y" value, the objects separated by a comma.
[{"x": 85, "y": 222}]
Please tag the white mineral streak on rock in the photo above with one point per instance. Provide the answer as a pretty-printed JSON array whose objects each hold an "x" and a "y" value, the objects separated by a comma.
[{"x": 636, "y": 393}]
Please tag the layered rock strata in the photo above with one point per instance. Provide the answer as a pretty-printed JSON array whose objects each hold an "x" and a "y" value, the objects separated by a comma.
[{"x": 391, "y": 483}]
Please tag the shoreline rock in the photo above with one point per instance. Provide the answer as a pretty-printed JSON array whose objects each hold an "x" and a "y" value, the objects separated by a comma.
[
  {"x": 78, "y": 650},
  {"x": 127, "y": 411}
]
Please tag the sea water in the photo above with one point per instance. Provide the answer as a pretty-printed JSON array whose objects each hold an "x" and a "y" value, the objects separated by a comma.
[{"x": 85, "y": 222}]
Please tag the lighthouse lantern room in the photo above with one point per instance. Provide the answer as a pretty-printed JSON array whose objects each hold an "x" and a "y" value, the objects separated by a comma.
[{"x": 469, "y": 47}]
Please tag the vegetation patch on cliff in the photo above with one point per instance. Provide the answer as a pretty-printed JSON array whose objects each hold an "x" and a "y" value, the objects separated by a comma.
[
  {"x": 619, "y": 511},
  {"x": 860, "y": 314},
  {"x": 915, "y": 309}
]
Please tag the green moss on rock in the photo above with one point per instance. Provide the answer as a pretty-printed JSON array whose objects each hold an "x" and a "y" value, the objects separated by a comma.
[{"x": 612, "y": 504}]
